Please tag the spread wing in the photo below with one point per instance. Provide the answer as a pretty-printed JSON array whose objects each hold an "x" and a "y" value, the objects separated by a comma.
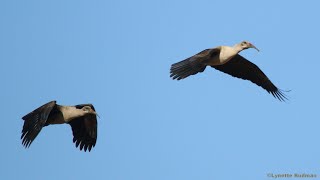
[
  {"x": 84, "y": 130},
  {"x": 34, "y": 121},
  {"x": 192, "y": 65},
  {"x": 242, "y": 68}
]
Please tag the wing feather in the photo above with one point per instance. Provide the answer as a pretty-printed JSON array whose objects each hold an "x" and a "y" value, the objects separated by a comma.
[
  {"x": 242, "y": 68},
  {"x": 34, "y": 121},
  {"x": 84, "y": 130},
  {"x": 192, "y": 65}
]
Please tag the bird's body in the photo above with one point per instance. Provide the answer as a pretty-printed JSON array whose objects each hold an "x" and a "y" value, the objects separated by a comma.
[
  {"x": 64, "y": 115},
  {"x": 81, "y": 118},
  {"x": 225, "y": 55},
  {"x": 227, "y": 60}
]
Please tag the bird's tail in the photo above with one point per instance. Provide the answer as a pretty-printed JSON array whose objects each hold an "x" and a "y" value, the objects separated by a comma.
[{"x": 185, "y": 68}]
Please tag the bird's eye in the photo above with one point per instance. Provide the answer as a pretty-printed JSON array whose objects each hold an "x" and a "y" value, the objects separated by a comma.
[{"x": 244, "y": 43}]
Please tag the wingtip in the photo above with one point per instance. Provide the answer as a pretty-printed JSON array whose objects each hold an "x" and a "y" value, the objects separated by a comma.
[{"x": 280, "y": 95}]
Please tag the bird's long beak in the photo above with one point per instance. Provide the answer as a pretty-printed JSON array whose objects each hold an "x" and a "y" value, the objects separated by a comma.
[{"x": 252, "y": 46}]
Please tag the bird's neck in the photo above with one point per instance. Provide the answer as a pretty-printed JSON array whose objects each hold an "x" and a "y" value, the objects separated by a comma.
[
  {"x": 238, "y": 48},
  {"x": 70, "y": 113}
]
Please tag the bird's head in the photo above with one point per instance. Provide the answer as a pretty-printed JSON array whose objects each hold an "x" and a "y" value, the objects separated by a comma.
[
  {"x": 88, "y": 110},
  {"x": 247, "y": 45}
]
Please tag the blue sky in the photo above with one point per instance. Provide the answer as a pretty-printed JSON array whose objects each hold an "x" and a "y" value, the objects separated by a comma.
[{"x": 117, "y": 55}]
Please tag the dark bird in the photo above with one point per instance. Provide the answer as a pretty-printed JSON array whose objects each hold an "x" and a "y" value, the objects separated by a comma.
[
  {"x": 82, "y": 119},
  {"x": 227, "y": 60}
]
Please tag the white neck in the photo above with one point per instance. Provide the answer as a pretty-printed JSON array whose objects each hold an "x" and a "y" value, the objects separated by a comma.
[
  {"x": 70, "y": 113},
  {"x": 238, "y": 47}
]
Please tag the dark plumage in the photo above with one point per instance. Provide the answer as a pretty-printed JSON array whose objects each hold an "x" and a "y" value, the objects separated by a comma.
[
  {"x": 227, "y": 60},
  {"x": 192, "y": 65},
  {"x": 82, "y": 119},
  {"x": 239, "y": 67}
]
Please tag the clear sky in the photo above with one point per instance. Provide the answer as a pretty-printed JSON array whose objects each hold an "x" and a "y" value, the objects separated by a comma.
[{"x": 117, "y": 55}]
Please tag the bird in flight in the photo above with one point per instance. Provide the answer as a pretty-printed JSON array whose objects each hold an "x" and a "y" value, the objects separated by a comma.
[
  {"x": 227, "y": 60},
  {"x": 82, "y": 119}
]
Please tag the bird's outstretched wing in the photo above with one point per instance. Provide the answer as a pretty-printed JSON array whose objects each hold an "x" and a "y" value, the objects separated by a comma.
[
  {"x": 240, "y": 67},
  {"x": 34, "y": 121},
  {"x": 84, "y": 130},
  {"x": 193, "y": 64}
]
